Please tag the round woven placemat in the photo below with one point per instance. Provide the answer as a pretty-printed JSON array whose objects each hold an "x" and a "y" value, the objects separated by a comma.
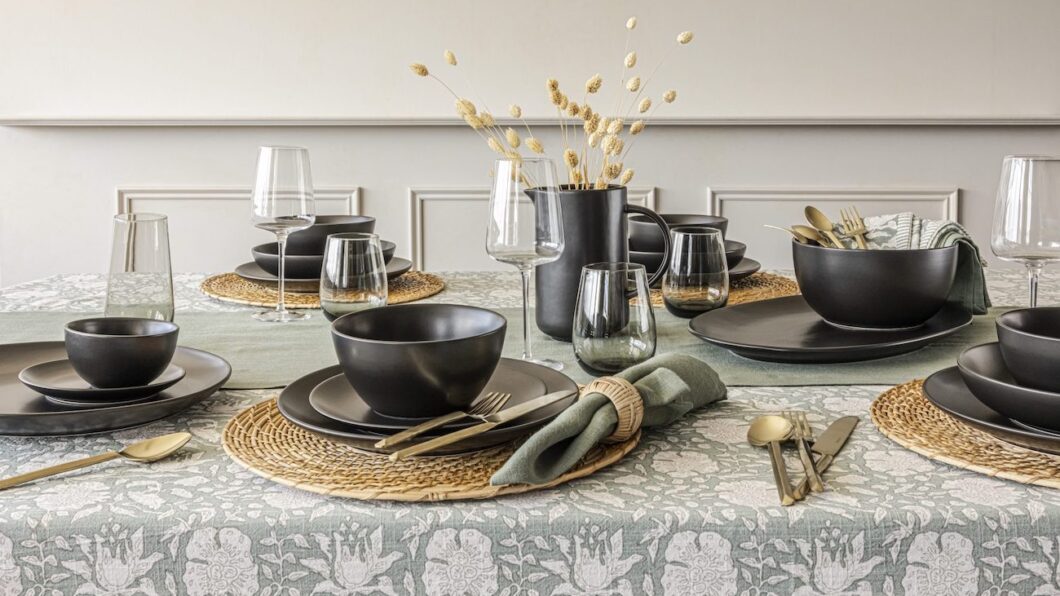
[
  {"x": 229, "y": 287},
  {"x": 760, "y": 286},
  {"x": 262, "y": 440},
  {"x": 903, "y": 414}
]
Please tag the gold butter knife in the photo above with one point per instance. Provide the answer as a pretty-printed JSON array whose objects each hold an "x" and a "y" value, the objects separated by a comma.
[
  {"x": 827, "y": 446},
  {"x": 492, "y": 421}
]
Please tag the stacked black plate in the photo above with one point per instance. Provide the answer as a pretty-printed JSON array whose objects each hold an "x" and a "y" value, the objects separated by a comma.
[
  {"x": 305, "y": 254},
  {"x": 646, "y": 245}
]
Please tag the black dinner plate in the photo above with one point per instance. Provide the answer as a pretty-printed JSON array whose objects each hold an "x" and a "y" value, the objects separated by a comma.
[
  {"x": 788, "y": 330},
  {"x": 58, "y": 379},
  {"x": 27, "y": 412},
  {"x": 988, "y": 378},
  {"x": 252, "y": 271},
  {"x": 745, "y": 268},
  {"x": 335, "y": 398},
  {"x": 294, "y": 405},
  {"x": 947, "y": 390}
]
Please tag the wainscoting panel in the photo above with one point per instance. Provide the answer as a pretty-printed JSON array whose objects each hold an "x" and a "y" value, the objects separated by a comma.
[
  {"x": 749, "y": 208},
  {"x": 210, "y": 228}
]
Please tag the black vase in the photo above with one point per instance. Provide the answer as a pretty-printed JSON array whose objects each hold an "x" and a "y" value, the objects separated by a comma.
[{"x": 594, "y": 231}]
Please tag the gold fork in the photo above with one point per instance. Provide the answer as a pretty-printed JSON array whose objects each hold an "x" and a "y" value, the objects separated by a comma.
[
  {"x": 485, "y": 405},
  {"x": 854, "y": 226},
  {"x": 803, "y": 433}
]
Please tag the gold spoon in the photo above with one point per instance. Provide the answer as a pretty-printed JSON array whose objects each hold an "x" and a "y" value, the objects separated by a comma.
[
  {"x": 800, "y": 238},
  {"x": 820, "y": 221},
  {"x": 769, "y": 431},
  {"x": 147, "y": 451},
  {"x": 812, "y": 234}
]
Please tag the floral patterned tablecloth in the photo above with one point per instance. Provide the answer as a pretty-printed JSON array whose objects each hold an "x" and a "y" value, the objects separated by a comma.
[{"x": 691, "y": 511}]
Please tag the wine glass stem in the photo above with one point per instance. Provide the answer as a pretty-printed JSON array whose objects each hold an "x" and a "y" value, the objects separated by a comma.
[
  {"x": 1034, "y": 270},
  {"x": 528, "y": 352},
  {"x": 281, "y": 240}
]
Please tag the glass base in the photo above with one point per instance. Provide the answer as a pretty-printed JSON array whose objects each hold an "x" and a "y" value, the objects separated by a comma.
[
  {"x": 281, "y": 316},
  {"x": 554, "y": 365}
]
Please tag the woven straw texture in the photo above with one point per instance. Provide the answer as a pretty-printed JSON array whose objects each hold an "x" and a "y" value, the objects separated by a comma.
[
  {"x": 229, "y": 287},
  {"x": 760, "y": 286},
  {"x": 904, "y": 415},
  {"x": 627, "y": 401},
  {"x": 262, "y": 440}
]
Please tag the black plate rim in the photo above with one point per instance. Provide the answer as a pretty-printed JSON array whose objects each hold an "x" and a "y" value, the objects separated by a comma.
[
  {"x": 97, "y": 393},
  {"x": 250, "y": 270},
  {"x": 752, "y": 267}
]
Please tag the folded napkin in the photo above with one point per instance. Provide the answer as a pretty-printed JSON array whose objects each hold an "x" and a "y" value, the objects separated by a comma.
[
  {"x": 907, "y": 230},
  {"x": 671, "y": 385}
]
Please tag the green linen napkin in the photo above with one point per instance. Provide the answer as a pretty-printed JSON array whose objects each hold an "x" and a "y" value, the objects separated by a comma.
[
  {"x": 908, "y": 230},
  {"x": 671, "y": 385}
]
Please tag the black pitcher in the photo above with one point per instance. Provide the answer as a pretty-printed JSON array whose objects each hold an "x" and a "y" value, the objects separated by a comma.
[{"x": 594, "y": 231}]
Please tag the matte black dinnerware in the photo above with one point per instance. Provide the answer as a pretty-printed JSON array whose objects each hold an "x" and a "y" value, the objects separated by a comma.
[
  {"x": 267, "y": 256},
  {"x": 251, "y": 271},
  {"x": 947, "y": 390},
  {"x": 294, "y": 405},
  {"x": 595, "y": 230},
  {"x": 985, "y": 372},
  {"x": 311, "y": 240},
  {"x": 788, "y": 330},
  {"x": 645, "y": 236},
  {"x": 119, "y": 351},
  {"x": 1030, "y": 345},
  {"x": 419, "y": 360},
  {"x": 745, "y": 268},
  {"x": 734, "y": 252},
  {"x": 26, "y": 412},
  {"x": 875, "y": 289},
  {"x": 58, "y": 379}
]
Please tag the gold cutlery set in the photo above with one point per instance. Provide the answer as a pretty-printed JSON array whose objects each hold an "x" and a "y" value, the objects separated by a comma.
[
  {"x": 816, "y": 455},
  {"x": 821, "y": 230}
]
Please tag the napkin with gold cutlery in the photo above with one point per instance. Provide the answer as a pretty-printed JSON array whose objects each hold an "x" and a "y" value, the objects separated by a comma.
[{"x": 670, "y": 385}]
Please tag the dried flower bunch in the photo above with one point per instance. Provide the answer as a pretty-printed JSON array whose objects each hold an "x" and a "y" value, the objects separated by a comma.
[{"x": 595, "y": 157}]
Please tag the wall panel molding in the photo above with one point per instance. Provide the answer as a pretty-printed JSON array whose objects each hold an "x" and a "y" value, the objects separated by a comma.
[
  {"x": 350, "y": 196},
  {"x": 947, "y": 199}
]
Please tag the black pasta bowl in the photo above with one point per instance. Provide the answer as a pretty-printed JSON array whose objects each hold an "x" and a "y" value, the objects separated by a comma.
[
  {"x": 311, "y": 240},
  {"x": 985, "y": 373},
  {"x": 419, "y": 360},
  {"x": 113, "y": 352},
  {"x": 1030, "y": 345},
  {"x": 875, "y": 289},
  {"x": 298, "y": 266},
  {"x": 645, "y": 236}
]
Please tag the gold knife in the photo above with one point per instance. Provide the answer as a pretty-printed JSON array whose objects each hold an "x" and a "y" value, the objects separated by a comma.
[
  {"x": 827, "y": 446},
  {"x": 492, "y": 421}
]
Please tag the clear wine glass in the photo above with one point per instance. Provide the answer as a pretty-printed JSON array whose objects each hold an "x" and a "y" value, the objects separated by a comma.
[
  {"x": 140, "y": 282},
  {"x": 283, "y": 203},
  {"x": 614, "y": 325},
  {"x": 353, "y": 276},
  {"x": 1027, "y": 215},
  {"x": 697, "y": 277},
  {"x": 525, "y": 226}
]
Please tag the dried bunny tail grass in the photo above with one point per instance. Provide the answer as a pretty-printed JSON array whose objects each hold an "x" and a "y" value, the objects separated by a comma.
[
  {"x": 487, "y": 119},
  {"x": 552, "y": 85},
  {"x": 474, "y": 121},
  {"x": 594, "y": 83},
  {"x": 601, "y": 184},
  {"x": 631, "y": 59},
  {"x": 645, "y": 105},
  {"x": 496, "y": 146},
  {"x": 626, "y": 177},
  {"x": 556, "y": 97},
  {"x": 633, "y": 85},
  {"x": 587, "y": 113},
  {"x": 535, "y": 145},
  {"x": 450, "y": 57},
  {"x": 636, "y": 128},
  {"x": 685, "y": 37},
  {"x": 465, "y": 107},
  {"x": 604, "y": 123},
  {"x": 419, "y": 69},
  {"x": 609, "y": 144},
  {"x": 631, "y": 24},
  {"x": 591, "y": 125},
  {"x": 576, "y": 177},
  {"x": 564, "y": 102},
  {"x": 619, "y": 146},
  {"x": 570, "y": 157},
  {"x": 616, "y": 126},
  {"x": 515, "y": 111},
  {"x": 613, "y": 170},
  {"x": 512, "y": 137},
  {"x": 573, "y": 109},
  {"x": 595, "y": 138},
  {"x": 670, "y": 96}
]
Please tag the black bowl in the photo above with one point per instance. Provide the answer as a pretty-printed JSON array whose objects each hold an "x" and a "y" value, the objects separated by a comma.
[
  {"x": 116, "y": 352},
  {"x": 875, "y": 289},
  {"x": 1030, "y": 344},
  {"x": 645, "y": 236},
  {"x": 419, "y": 360},
  {"x": 311, "y": 240},
  {"x": 734, "y": 252},
  {"x": 301, "y": 266},
  {"x": 985, "y": 372}
]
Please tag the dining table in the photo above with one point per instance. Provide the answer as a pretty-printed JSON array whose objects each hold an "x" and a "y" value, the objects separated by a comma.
[{"x": 691, "y": 510}]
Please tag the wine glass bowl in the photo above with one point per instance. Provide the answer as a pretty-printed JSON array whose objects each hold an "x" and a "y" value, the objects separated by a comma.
[{"x": 1027, "y": 215}]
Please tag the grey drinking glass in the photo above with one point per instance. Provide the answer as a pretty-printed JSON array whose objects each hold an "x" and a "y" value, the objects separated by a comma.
[
  {"x": 353, "y": 276},
  {"x": 1027, "y": 215},
  {"x": 697, "y": 276},
  {"x": 525, "y": 226},
  {"x": 282, "y": 203},
  {"x": 614, "y": 325},
  {"x": 140, "y": 281}
]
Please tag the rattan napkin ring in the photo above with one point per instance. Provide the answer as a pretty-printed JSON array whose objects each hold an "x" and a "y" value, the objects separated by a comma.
[{"x": 627, "y": 402}]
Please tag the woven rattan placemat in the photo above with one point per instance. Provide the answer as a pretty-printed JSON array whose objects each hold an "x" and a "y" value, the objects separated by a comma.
[
  {"x": 760, "y": 286},
  {"x": 903, "y": 414},
  {"x": 229, "y": 287},
  {"x": 262, "y": 440}
]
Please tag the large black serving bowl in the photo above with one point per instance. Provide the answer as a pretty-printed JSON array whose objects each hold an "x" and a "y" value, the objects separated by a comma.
[
  {"x": 875, "y": 289},
  {"x": 1030, "y": 345},
  {"x": 991, "y": 381},
  {"x": 267, "y": 256},
  {"x": 645, "y": 236},
  {"x": 115, "y": 352},
  {"x": 419, "y": 360},
  {"x": 311, "y": 240}
]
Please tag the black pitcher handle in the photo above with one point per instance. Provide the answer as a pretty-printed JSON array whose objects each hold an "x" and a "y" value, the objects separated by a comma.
[{"x": 666, "y": 238}]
